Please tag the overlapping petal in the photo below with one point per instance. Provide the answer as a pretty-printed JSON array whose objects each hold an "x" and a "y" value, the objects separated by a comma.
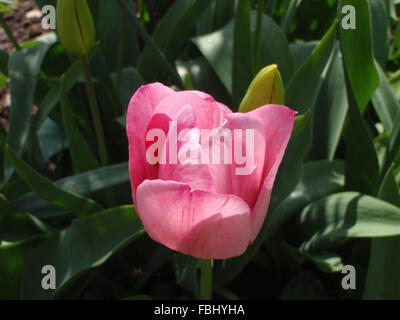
[
  {"x": 278, "y": 122},
  {"x": 140, "y": 110},
  {"x": 198, "y": 223}
]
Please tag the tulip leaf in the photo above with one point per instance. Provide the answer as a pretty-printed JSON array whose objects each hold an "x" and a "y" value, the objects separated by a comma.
[
  {"x": 24, "y": 66},
  {"x": 224, "y": 12},
  {"x": 171, "y": 34},
  {"x": 217, "y": 48},
  {"x": 303, "y": 89},
  {"x": 51, "y": 99},
  {"x": 205, "y": 22},
  {"x": 394, "y": 148},
  {"x": 275, "y": 47},
  {"x": 330, "y": 112},
  {"x": 87, "y": 243},
  {"x": 291, "y": 7},
  {"x": 111, "y": 11},
  {"x": 161, "y": 36},
  {"x": 131, "y": 80},
  {"x": 385, "y": 102},
  {"x": 301, "y": 52},
  {"x": 356, "y": 45},
  {"x": 393, "y": 153},
  {"x": 203, "y": 78},
  {"x": 320, "y": 178},
  {"x": 337, "y": 218},
  {"x": 300, "y": 122},
  {"x": 383, "y": 278},
  {"x": 4, "y": 58},
  {"x": 50, "y": 139},
  {"x": 380, "y": 25},
  {"x": 155, "y": 49},
  {"x": 186, "y": 273},
  {"x": 81, "y": 155},
  {"x": 83, "y": 184},
  {"x": 325, "y": 261},
  {"x": 362, "y": 167},
  {"x": 48, "y": 190},
  {"x": 243, "y": 57}
]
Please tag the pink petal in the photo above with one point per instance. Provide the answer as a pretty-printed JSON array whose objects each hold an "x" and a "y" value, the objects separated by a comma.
[
  {"x": 209, "y": 114},
  {"x": 278, "y": 123},
  {"x": 242, "y": 180},
  {"x": 196, "y": 175},
  {"x": 198, "y": 223},
  {"x": 141, "y": 107}
]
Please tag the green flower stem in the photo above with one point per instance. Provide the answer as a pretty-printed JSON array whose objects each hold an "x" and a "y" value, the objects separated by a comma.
[
  {"x": 9, "y": 34},
  {"x": 206, "y": 279},
  {"x": 94, "y": 108},
  {"x": 257, "y": 36}
]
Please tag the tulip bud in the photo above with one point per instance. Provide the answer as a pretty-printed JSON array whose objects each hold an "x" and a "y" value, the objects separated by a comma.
[
  {"x": 75, "y": 26},
  {"x": 266, "y": 88}
]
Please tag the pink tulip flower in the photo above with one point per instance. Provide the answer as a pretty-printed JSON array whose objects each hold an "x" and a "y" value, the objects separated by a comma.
[{"x": 205, "y": 209}]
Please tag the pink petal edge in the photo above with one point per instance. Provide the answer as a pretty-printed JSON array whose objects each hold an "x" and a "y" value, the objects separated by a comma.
[{"x": 197, "y": 223}]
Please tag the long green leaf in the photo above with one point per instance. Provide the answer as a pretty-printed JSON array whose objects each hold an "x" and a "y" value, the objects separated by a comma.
[
  {"x": 131, "y": 80},
  {"x": 81, "y": 155},
  {"x": 171, "y": 34},
  {"x": 330, "y": 112},
  {"x": 110, "y": 43},
  {"x": 302, "y": 91},
  {"x": 52, "y": 98},
  {"x": 393, "y": 153},
  {"x": 4, "y": 58},
  {"x": 83, "y": 184},
  {"x": 87, "y": 243},
  {"x": 224, "y": 11},
  {"x": 385, "y": 102},
  {"x": 275, "y": 47},
  {"x": 380, "y": 25},
  {"x": 356, "y": 45},
  {"x": 383, "y": 278},
  {"x": 48, "y": 190},
  {"x": 203, "y": 78},
  {"x": 290, "y": 10},
  {"x": 301, "y": 52},
  {"x": 362, "y": 166},
  {"x": 24, "y": 66},
  {"x": 158, "y": 54},
  {"x": 217, "y": 48},
  {"x": 337, "y": 218},
  {"x": 243, "y": 58},
  {"x": 319, "y": 179}
]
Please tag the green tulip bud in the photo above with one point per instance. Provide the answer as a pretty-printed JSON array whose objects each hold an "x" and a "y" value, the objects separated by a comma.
[
  {"x": 75, "y": 26},
  {"x": 266, "y": 88}
]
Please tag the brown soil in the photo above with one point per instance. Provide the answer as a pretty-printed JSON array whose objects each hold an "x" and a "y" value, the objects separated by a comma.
[{"x": 25, "y": 24}]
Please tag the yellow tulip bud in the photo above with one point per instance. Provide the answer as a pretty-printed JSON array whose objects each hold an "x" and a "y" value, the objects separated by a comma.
[
  {"x": 75, "y": 26},
  {"x": 266, "y": 88}
]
